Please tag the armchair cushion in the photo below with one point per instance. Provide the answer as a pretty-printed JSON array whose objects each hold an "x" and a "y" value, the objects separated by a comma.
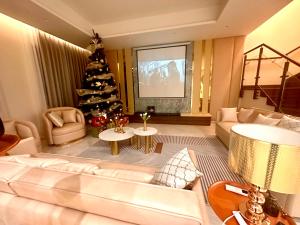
[
  {"x": 56, "y": 119},
  {"x": 69, "y": 116},
  {"x": 24, "y": 131},
  {"x": 67, "y": 128}
]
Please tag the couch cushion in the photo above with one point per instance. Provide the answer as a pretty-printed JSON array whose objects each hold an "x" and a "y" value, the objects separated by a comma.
[
  {"x": 229, "y": 114},
  {"x": 178, "y": 172},
  {"x": 39, "y": 162},
  {"x": 56, "y": 119},
  {"x": 261, "y": 119},
  {"x": 69, "y": 116},
  {"x": 137, "y": 203},
  {"x": 67, "y": 128},
  {"x": 136, "y": 176},
  {"x": 245, "y": 115},
  {"x": 289, "y": 123},
  {"x": 88, "y": 168},
  {"x": 11, "y": 170}
]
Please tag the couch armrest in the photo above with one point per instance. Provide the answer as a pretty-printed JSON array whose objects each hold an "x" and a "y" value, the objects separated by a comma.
[
  {"x": 219, "y": 116},
  {"x": 25, "y": 146},
  {"x": 80, "y": 117},
  {"x": 48, "y": 128}
]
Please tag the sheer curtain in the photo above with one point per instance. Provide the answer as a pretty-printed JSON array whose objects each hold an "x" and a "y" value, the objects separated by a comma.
[{"x": 61, "y": 67}]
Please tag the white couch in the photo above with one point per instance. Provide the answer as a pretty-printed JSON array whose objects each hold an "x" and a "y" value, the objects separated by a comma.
[{"x": 121, "y": 195}]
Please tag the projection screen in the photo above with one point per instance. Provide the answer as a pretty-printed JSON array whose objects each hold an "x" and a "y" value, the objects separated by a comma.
[{"x": 161, "y": 71}]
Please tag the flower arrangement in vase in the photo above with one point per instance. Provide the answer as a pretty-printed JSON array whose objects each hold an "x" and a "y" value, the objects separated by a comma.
[{"x": 145, "y": 117}]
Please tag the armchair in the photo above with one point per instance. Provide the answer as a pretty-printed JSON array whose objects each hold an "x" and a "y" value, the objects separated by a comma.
[
  {"x": 30, "y": 139},
  {"x": 71, "y": 129}
]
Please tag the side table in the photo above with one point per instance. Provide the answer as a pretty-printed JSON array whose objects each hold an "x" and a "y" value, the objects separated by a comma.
[
  {"x": 223, "y": 202},
  {"x": 148, "y": 137},
  {"x": 113, "y": 137},
  {"x": 7, "y": 141}
]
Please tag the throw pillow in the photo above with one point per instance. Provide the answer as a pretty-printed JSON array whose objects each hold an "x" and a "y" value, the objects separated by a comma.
[
  {"x": 69, "y": 116},
  {"x": 178, "y": 172},
  {"x": 261, "y": 119},
  {"x": 56, "y": 119},
  {"x": 229, "y": 115},
  {"x": 289, "y": 123},
  {"x": 88, "y": 168},
  {"x": 244, "y": 115}
]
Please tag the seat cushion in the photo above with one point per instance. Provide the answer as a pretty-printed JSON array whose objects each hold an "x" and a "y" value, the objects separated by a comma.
[
  {"x": 11, "y": 170},
  {"x": 226, "y": 126},
  {"x": 67, "y": 128},
  {"x": 69, "y": 116}
]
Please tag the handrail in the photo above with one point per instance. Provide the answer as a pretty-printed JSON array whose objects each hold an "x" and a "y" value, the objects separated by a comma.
[
  {"x": 268, "y": 96},
  {"x": 293, "y": 50},
  {"x": 274, "y": 50}
]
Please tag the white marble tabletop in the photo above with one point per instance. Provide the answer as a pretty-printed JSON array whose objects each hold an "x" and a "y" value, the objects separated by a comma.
[
  {"x": 141, "y": 132},
  {"x": 111, "y": 135}
]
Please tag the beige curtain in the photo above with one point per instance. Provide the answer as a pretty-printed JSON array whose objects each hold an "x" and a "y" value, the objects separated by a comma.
[{"x": 62, "y": 67}]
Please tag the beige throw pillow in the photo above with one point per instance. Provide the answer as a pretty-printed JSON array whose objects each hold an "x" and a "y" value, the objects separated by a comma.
[
  {"x": 261, "y": 119},
  {"x": 69, "y": 116},
  {"x": 245, "y": 115},
  {"x": 289, "y": 123},
  {"x": 178, "y": 172},
  {"x": 56, "y": 119},
  {"x": 229, "y": 114}
]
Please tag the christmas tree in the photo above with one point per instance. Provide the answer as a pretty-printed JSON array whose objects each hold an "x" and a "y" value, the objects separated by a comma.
[{"x": 98, "y": 98}]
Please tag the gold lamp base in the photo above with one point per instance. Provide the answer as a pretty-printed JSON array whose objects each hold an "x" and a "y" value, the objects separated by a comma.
[{"x": 252, "y": 210}]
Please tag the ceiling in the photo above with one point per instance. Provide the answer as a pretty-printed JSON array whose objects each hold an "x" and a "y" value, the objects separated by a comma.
[{"x": 134, "y": 23}]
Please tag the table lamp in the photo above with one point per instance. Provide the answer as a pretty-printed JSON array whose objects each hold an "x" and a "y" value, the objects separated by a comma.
[{"x": 268, "y": 158}]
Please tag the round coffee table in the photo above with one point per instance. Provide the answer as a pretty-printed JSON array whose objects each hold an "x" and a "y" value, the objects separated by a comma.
[
  {"x": 148, "y": 137},
  {"x": 113, "y": 137}
]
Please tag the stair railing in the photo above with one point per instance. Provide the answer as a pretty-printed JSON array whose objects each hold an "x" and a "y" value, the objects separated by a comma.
[{"x": 283, "y": 77}]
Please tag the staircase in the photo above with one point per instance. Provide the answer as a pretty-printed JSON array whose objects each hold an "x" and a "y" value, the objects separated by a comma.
[{"x": 273, "y": 80}]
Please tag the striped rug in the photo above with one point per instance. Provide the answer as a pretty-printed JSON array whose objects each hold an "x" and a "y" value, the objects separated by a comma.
[
  {"x": 215, "y": 168},
  {"x": 211, "y": 155}
]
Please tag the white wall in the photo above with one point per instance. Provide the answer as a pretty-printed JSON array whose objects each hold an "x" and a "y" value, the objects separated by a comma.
[
  {"x": 281, "y": 31},
  {"x": 21, "y": 93}
]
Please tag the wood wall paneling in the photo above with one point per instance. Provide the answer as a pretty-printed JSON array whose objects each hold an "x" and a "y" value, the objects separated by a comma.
[
  {"x": 206, "y": 75},
  {"x": 196, "y": 78},
  {"x": 121, "y": 75},
  {"x": 129, "y": 81}
]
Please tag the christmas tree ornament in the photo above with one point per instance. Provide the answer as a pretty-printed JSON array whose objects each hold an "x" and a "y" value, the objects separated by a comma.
[{"x": 99, "y": 91}]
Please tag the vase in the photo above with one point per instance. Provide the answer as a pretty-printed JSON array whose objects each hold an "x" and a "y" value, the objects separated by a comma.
[
  {"x": 1, "y": 128},
  {"x": 145, "y": 125}
]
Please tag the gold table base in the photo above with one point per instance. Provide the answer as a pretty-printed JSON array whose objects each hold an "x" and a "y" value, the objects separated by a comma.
[{"x": 148, "y": 143}]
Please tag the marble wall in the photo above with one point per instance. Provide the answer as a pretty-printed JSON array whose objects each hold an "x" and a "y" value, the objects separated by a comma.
[{"x": 166, "y": 105}]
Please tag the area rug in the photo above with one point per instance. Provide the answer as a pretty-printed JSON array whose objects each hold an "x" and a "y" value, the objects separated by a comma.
[
  {"x": 211, "y": 155},
  {"x": 215, "y": 168}
]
